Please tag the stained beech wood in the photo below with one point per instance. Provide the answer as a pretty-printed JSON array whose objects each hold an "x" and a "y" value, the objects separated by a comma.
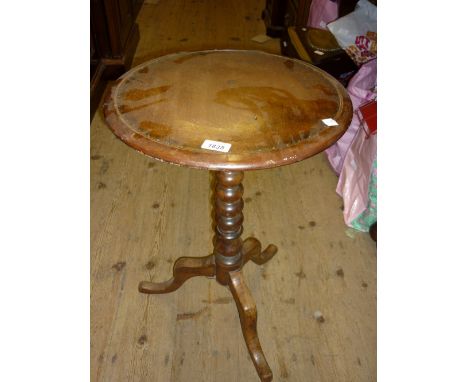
[
  {"x": 252, "y": 250},
  {"x": 228, "y": 218},
  {"x": 229, "y": 255},
  {"x": 248, "y": 318},
  {"x": 268, "y": 107},
  {"x": 184, "y": 269}
]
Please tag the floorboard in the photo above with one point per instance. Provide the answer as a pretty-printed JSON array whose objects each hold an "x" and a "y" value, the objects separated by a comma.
[{"x": 143, "y": 219}]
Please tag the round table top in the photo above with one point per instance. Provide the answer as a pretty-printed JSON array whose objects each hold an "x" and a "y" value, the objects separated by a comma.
[{"x": 248, "y": 109}]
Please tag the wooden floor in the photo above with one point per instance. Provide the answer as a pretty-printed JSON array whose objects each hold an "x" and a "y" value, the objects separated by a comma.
[{"x": 143, "y": 219}]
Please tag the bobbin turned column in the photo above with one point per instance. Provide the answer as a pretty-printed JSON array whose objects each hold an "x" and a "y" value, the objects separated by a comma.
[
  {"x": 229, "y": 258},
  {"x": 228, "y": 218}
]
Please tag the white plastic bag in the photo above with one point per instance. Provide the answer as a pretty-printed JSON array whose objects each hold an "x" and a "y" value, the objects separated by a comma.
[{"x": 356, "y": 32}]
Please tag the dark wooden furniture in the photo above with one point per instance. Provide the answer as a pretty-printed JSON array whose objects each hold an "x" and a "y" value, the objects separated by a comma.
[
  {"x": 320, "y": 48},
  {"x": 114, "y": 37},
  {"x": 271, "y": 110},
  {"x": 273, "y": 17},
  {"x": 279, "y": 14}
]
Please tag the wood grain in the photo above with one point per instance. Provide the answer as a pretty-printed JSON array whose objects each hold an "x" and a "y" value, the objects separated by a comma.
[
  {"x": 268, "y": 108},
  {"x": 144, "y": 217},
  {"x": 248, "y": 318}
]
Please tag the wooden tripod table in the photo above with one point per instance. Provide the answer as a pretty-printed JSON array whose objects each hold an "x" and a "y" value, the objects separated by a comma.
[{"x": 227, "y": 111}]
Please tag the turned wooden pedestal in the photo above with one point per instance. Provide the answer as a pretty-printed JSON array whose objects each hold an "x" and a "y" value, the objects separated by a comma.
[
  {"x": 261, "y": 110},
  {"x": 229, "y": 256}
]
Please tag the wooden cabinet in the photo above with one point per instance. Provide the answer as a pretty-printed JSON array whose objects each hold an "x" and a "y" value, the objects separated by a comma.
[{"x": 114, "y": 37}]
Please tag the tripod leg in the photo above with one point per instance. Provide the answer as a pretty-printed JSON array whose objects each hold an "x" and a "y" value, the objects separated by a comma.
[
  {"x": 252, "y": 250},
  {"x": 184, "y": 268},
  {"x": 248, "y": 318}
]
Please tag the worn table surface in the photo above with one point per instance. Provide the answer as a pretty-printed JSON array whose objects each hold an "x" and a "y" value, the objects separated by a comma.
[{"x": 267, "y": 107}]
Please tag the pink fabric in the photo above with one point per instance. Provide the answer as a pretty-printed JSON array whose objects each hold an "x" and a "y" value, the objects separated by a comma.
[
  {"x": 360, "y": 90},
  {"x": 322, "y": 12},
  {"x": 353, "y": 184}
]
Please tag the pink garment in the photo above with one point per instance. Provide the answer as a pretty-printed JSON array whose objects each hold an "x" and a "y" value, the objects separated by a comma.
[
  {"x": 360, "y": 90},
  {"x": 322, "y": 12}
]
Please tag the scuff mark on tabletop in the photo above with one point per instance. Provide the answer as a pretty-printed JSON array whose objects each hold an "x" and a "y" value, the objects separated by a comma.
[
  {"x": 289, "y": 64},
  {"x": 139, "y": 94},
  {"x": 184, "y": 58}
]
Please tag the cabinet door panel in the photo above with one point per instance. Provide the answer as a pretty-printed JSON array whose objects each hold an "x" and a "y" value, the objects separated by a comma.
[
  {"x": 126, "y": 19},
  {"x": 99, "y": 29}
]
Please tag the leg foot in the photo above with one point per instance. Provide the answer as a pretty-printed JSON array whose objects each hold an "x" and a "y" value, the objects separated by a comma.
[
  {"x": 248, "y": 318},
  {"x": 184, "y": 268},
  {"x": 252, "y": 250}
]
